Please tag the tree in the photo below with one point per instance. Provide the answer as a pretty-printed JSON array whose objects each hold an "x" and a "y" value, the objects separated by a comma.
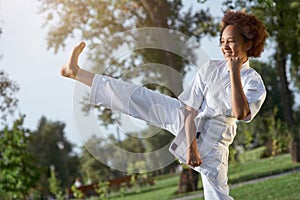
[
  {"x": 282, "y": 17},
  {"x": 95, "y": 169},
  {"x": 95, "y": 21},
  {"x": 8, "y": 100},
  {"x": 18, "y": 172},
  {"x": 50, "y": 148},
  {"x": 8, "y": 90},
  {"x": 54, "y": 184},
  {"x": 257, "y": 133}
]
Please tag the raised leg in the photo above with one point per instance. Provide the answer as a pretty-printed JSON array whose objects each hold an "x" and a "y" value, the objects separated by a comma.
[
  {"x": 140, "y": 102},
  {"x": 153, "y": 107}
]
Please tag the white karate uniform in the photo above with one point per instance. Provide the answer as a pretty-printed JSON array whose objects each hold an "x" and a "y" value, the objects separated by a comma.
[{"x": 209, "y": 94}]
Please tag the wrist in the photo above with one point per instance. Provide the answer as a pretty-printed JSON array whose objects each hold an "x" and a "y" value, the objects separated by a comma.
[
  {"x": 193, "y": 146},
  {"x": 234, "y": 73}
]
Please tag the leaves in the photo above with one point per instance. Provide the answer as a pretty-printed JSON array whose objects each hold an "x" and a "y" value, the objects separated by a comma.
[
  {"x": 50, "y": 147},
  {"x": 18, "y": 173},
  {"x": 8, "y": 99}
]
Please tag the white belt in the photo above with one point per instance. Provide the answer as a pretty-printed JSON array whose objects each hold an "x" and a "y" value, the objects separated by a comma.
[{"x": 179, "y": 145}]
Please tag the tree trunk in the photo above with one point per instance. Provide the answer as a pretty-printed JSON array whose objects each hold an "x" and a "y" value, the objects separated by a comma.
[
  {"x": 286, "y": 95},
  {"x": 295, "y": 147},
  {"x": 188, "y": 181},
  {"x": 157, "y": 11},
  {"x": 287, "y": 102}
]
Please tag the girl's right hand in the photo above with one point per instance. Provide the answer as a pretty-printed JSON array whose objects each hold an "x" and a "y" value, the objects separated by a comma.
[{"x": 193, "y": 157}]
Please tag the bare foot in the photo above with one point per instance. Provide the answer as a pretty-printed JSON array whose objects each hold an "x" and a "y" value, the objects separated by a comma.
[{"x": 70, "y": 69}]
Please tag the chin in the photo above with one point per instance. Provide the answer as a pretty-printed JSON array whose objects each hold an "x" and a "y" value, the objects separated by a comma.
[{"x": 227, "y": 56}]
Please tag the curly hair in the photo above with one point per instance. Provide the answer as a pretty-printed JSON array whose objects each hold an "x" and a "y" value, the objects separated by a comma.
[{"x": 250, "y": 27}]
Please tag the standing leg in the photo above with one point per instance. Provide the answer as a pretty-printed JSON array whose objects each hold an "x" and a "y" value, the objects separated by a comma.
[
  {"x": 214, "y": 190},
  {"x": 216, "y": 187}
]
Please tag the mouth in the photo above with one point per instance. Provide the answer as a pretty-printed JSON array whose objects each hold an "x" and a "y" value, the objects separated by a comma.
[{"x": 227, "y": 54}]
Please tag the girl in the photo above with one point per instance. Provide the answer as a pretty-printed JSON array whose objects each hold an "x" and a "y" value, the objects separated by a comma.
[{"x": 204, "y": 116}]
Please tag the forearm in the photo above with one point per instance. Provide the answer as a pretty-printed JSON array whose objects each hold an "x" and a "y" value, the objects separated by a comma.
[
  {"x": 240, "y": 107},
  {"x": 190, "y": 127},
  {"x": 85, "y": 77},
  {"x": 193, "y": 157}
]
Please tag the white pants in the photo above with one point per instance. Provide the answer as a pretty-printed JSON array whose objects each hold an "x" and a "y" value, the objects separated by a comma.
[
  {"x": 153, "y": 107},
  {"x": 160, "y": 110},
  {"x": 215, "y": 190}
]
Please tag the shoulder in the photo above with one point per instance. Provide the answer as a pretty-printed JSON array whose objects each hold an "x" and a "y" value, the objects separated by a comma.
[
  {"x": 217, "y": 63},
  {"x": 252, "y": 78},
  {"x": 212, "y": 65},
  {"x": 251, "y": 73}
]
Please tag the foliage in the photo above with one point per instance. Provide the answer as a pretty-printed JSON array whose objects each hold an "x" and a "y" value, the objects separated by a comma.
[
  {"x": 96, "y": 22},
  {"x": 54, "y": 184},
  {"x": 94, "y": 162},
  {"x": 78, "y": 194},
  {"x": 281, "y": 18},
  {"x": 18, "y": 172},
  {"x": 251, "y": 155},
  {"x": 8, "y": 100},
  {"x": 266, "y": 130},
  {"x": 269, "y": 74},
  {"x": 99, "y": 154},
  {"x": 50, "y": 147},
  {"x": 122, "y": 190},
  {"x": 102, "y": 190},
  {"x": 233, "y": 154},
  {"x": 279, "y": 138},
  {"x": 142, "y": 178},
  {"x": 166, "y": 186},
  {"x": 260, "y": 131}
]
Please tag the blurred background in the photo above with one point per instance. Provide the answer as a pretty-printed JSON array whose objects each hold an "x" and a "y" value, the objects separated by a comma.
[{"x": 42, "y": 155}]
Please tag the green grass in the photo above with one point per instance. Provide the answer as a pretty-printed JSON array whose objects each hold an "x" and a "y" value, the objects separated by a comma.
[
  {"x": 165, "y": 187},
  {"x": 254, "y": 154},
  {"x": 286, "y": 187},
  {"x": 259, "y": 168}
]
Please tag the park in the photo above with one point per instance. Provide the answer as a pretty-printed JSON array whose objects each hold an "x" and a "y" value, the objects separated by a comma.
[{"x": 55, "y": 145}]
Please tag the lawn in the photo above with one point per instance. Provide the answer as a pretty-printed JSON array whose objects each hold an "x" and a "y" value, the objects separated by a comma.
[
  {"x": 285, "y": 187},
  {"x": 278, "y": 188},
  {"x": 260, "y": 167}
]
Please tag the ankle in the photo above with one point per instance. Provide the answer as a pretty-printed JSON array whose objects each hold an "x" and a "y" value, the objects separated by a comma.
[
  {"x": 78, "y": 73},
  {"x": 84, "y": 77}
]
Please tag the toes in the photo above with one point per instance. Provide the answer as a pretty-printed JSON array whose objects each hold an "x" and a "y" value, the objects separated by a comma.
[{"x": 79, "y": 47}]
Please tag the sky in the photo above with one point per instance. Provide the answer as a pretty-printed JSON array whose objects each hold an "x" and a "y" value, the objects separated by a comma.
[
  {"x": 43, "y": 92},
  {"x": 23, "y": 46}
]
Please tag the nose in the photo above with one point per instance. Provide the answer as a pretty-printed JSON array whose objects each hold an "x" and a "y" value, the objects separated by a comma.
[{"x": 223, "y": 44}]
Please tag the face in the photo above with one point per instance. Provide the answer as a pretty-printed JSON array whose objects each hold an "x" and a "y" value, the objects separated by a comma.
[{"x": 233, "y": 44}]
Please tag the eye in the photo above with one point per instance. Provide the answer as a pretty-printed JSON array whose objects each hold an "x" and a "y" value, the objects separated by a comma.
[{"x": 231, "y": 41}]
